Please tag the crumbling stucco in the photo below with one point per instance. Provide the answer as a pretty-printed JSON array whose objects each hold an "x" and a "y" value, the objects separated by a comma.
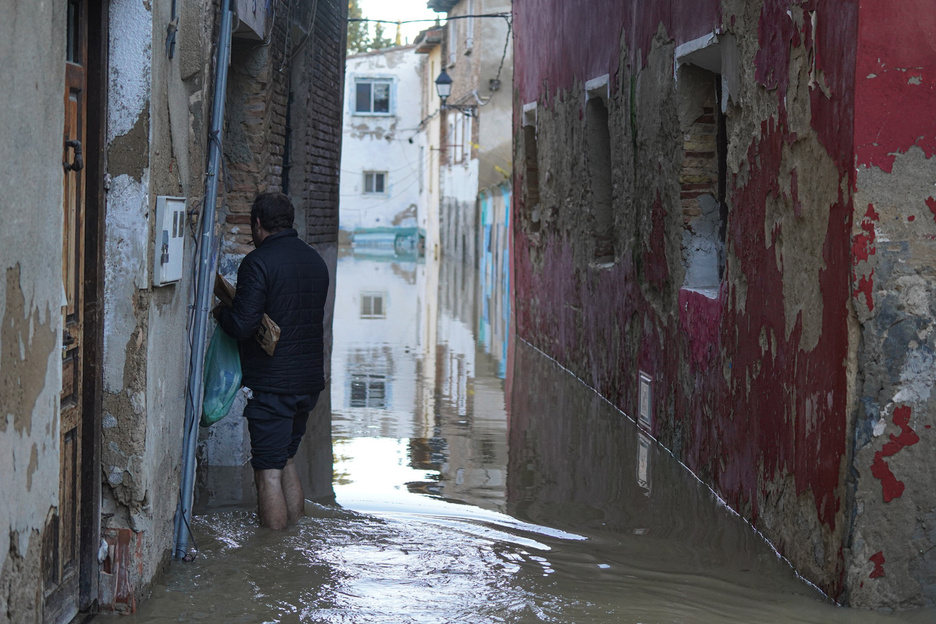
[
  {"x": 125, "y": 261},
  {"x": 20, "y": 589},
  {"x": 193, "y": 40},
  {"x": 31, "y": 294},
  {"x": 895, "y": 296},
  {"x": 130, "y": 63},
  {"x": 25, "y": 343},
  {"x": 129, "y": 153},
  {"x": 28, "y": 444}
]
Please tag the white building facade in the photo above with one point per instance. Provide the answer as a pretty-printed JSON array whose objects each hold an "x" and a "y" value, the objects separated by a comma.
[{"x": 381, "y": 168}]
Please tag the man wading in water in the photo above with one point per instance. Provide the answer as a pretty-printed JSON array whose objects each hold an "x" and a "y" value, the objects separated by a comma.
[{"x": 288, "y": 280}]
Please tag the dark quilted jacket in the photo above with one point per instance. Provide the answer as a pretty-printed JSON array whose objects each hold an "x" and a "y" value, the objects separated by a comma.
[{"x": 288, "y": 280}]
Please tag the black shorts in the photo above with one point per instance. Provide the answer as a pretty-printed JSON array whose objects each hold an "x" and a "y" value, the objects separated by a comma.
[{"x": 276, "y": 423}]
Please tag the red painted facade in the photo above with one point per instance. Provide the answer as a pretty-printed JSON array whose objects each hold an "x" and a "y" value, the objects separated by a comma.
[
  {"x": 892, "y": 487},
  {"x": 896, "y": 84},
  {"x": 895, "y": 145},
  {"x": 590, "y": 37},
  {"x": 757, "y": 406},
  {"x": 799, "y": 384}
]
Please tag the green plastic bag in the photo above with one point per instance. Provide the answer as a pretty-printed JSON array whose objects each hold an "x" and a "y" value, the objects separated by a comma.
[{"x": 222, "y": 377}]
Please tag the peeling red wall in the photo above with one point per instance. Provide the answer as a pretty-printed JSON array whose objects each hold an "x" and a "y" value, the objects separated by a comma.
[
  {"x": 891, "y": 487},
  {"x": 895, "y": 155},
  {"x": 878, "y": 560},
  {"x": 896, "y": 81},
  {"x": 746, "y": 420},
  {"x": 590, "y": 37}
]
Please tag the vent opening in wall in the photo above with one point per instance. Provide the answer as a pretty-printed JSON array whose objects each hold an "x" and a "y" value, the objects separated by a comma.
[{"x": 645, "y": 403}]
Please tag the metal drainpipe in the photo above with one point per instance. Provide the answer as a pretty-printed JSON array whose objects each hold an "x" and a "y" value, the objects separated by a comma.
[{"x": 203, "y": 290}]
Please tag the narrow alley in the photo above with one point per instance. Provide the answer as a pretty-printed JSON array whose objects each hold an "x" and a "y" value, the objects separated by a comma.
[
  {"x": 444, "y": 514},
  {"x": 612, "y": 311}
]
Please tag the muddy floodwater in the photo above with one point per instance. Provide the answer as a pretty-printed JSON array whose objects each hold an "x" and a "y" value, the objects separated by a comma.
[{"x": 477, "y": 481}]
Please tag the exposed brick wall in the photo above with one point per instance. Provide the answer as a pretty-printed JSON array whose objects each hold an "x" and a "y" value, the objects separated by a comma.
[
  {"x": 699, "y": 174},
  {"x": 255, "y": 128},
  {"x": 316, "y": 121},
  {"x": 286, "y": 94}
]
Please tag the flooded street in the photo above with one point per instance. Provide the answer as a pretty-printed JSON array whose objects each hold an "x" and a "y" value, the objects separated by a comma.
[{"x": 476, "y": 481}]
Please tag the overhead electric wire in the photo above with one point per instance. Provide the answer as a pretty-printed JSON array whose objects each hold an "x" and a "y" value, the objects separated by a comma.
[{"x": 505, "y": 16}]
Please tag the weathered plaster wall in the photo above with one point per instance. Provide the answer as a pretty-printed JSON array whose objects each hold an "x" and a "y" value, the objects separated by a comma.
[
  {"x": 31, "y": 294},
  {"x": 891, "y": 552},
  {"x": 127, "y": 275},
  {"x": 155, "y": 147},
  {"x": 752, "y": 386},
  {"x": 176, "y": 169},
  {"x": 494, "y": 48}
]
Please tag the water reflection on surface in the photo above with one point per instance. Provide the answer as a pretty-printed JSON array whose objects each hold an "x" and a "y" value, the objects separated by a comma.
[{"x": 447, "y": 514}]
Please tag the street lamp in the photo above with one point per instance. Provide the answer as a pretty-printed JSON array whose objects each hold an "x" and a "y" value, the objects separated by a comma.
[
  {"x": 444, "y": 89},
  {"x": 444, "y": 86}
]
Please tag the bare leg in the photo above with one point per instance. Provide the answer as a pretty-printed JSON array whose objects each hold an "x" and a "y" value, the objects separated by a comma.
[
  {"x": 292, "y": 492},
  {"x": 270, "y": 500}
]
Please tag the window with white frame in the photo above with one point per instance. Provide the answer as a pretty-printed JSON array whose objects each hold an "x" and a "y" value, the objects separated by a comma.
[
  {"x": 375, "y": 182},
  {"x": 372, "y": 96}
]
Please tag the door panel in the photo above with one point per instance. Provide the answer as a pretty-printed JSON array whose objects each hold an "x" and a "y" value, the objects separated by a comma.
[{"x": 62, "y": 544}]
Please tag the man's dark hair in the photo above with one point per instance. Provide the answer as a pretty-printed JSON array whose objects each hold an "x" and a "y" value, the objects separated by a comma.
[{"x": 275, "y": 211}]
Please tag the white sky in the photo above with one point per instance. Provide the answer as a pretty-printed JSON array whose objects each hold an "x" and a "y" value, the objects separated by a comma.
[{"x": 400, "y": 10}]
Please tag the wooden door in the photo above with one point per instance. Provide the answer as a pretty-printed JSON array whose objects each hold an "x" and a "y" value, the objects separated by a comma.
[{"x": 61, "y": 564}]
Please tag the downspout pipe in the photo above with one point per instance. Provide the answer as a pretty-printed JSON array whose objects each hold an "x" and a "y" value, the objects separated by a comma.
[{"x": 207, "y": 261}]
